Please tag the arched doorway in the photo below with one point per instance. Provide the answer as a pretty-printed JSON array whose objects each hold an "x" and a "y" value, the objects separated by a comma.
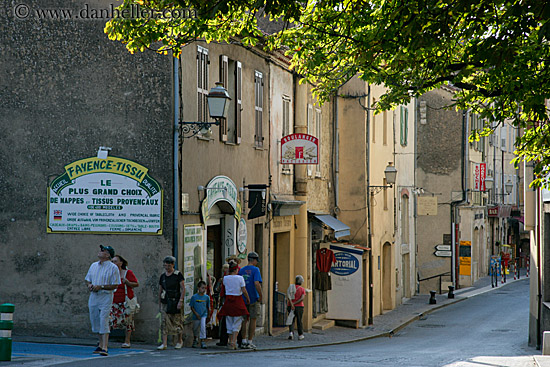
[{"x": 386, "y": 277}]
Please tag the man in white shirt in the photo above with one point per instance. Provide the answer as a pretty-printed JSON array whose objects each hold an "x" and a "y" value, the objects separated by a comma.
[{"x": 102, "y": 279}]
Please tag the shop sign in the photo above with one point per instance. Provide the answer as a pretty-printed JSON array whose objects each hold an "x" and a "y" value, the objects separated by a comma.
[
  {"x": 299, "y": 149},
  {"x": 221, "y": 188},
  {"x": 242, "y": 236},
  {"x": 492, "y": 212},
  {"x": 346, "y": 264},
  {"x": 480, "y": 174},
  {"x": 111, "y": 195}
]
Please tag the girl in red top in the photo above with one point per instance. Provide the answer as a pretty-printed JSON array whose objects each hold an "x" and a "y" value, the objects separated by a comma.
[
  {"x": 234, "y": 307},
  {"x": 296, "y": 302},
  {"x": 120, "y": 318}
]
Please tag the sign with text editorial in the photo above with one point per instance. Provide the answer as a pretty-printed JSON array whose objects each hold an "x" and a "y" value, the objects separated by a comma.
[
  {"x": 299, "y": 149},
  {"x": 112, "y": 195}
]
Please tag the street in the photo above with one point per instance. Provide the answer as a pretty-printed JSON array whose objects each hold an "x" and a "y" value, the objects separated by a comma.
[{"x": 485, "y": 330}]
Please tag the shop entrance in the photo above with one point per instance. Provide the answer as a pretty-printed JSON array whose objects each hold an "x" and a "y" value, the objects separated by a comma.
[
  {"x": 214, "y": 251},
  {"x": 281, "y": 276}
]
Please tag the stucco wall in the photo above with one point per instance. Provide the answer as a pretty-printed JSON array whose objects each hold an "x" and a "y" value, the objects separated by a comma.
[{"x": 65, "y": 90}]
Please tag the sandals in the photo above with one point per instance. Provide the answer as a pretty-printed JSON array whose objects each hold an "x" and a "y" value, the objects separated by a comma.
[{"x": 125, "y": 345}]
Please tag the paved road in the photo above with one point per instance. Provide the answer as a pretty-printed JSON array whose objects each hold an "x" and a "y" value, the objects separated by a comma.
[{"x": 483, "y": 331}]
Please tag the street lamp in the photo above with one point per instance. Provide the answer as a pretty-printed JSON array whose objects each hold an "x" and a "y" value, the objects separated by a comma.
[
  {"x": 391, "y": 174},
  {"x": 218, "y": 106},
  {"x": 508, "y": 186}
]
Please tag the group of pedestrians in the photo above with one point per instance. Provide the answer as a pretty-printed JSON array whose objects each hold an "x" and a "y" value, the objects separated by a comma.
[{"x": 111, "y": 285}]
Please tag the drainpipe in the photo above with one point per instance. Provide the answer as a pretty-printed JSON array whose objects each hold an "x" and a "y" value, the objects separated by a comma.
[
  {"x": 371, "y": 285},
  {"x": 300, "y": 191},
  {"x": 416, "y": 102},
  {"x": 455, "y": 204},
  {"x": 175, "y": 81},
  {"x": 336, "y": 140}
]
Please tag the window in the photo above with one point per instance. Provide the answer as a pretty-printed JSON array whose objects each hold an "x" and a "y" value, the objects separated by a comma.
[
  {"x": 310, "y": 131},
  {"x": 286, "y": 126},
  {"x": 230, "y": 76},
  {"x": 404, "y": 124},
  {"x": 317, "y": 167},
  {"x": 385, "y": 194},
  {"x": 224, "y": 79},
  {"x": 404, "y": 219},
  {"x": 258, "y": 108},
  {"x": 503, "y": 137},
  {"x": 385, "y": 128},
  {"x": 202, "y": 83},
  {"x": 374, "y": 123}
]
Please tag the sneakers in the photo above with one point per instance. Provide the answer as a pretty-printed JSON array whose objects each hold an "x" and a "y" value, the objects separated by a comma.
[
  {"x": 178, "y": 346},
  {"x": 161, "y": 347},
  {"x": 195, "y": 344},
  {"x": 300, "y": 337},
  {"x": 103, "y": 353},
  {"x": 203, "y": 346},
  {"x": 244, "y": 345},
  {"x": 290, "y": 335},
  {"x": 97, "y": 350},
  {"x": 125, "y": 345},
  {"x": 250, "y": 346}
]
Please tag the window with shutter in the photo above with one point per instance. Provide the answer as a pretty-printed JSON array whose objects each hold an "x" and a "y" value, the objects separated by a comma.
[
  {"x": 385, "y": 128},
  {"x": 286, "y": 127},
  {"x": 258, "y": 108},
  {"x": 239, "y": 97},
  {"x": 403, "y": 123},
  {"x": 318, "y": 121},
  {"x": 310, "y": 132},
  {"x": 202, "y": 84},
  {"x": 224, "y": 78}
]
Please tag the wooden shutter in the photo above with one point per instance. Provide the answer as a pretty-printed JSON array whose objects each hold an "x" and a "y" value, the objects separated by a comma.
[
  {"x": 224, "y": 78},
  {"x": 238, "y": 96}
]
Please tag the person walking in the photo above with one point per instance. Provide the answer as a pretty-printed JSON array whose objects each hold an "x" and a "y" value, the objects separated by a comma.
[
  {"x": 171, "y": 293},
  {"x": 121, "y": 317},
  {"x": 102, "y": 279},
  {"x": 296, "y": 294},
  {"x": 234, "y": 307},
  {"x": 200, "y": 307},
  {"x": 253, "y": 281}
]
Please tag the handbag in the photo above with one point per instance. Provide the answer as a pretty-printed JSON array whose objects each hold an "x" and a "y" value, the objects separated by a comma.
[
  {"x": 131, "y": 305},
  {"x": 290, "y": 318}
]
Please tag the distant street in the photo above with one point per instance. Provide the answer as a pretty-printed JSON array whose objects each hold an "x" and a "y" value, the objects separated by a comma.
[{"x": 486, "y": 330}]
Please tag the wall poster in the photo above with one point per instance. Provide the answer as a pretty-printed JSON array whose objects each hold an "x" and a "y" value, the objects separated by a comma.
[
  {"x": 111, "y": 195},
  {"x": 193, "y": 254}
]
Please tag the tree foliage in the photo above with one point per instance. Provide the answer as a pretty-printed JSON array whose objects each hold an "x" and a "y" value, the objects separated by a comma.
[{"x": 496, "y": 52}]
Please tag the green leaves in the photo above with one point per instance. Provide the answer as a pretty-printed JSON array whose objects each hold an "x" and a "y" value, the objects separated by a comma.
[{"x": 495, "y": 51}]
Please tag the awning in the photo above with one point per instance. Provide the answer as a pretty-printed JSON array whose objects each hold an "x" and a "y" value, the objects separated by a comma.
[
  {"x": 283, "y": 208},
  {"x": 340, "y": 229}
]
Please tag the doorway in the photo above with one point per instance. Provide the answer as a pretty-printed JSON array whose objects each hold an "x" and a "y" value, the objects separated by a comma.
[
  {"x": 386, "y": 277},
  {"x": 214, "y": 251},
  {"x": 281, "y": 276}
]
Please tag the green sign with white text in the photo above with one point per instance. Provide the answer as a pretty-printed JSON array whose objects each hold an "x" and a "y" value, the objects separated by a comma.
[{"x": 112, "y": 195}]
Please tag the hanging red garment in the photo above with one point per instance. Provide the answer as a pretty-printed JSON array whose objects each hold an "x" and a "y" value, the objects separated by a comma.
[{"x": 325, "y": 259}]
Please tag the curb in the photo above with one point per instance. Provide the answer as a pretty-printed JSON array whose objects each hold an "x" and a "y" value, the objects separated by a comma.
[{"x": 389, "y": 333}]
